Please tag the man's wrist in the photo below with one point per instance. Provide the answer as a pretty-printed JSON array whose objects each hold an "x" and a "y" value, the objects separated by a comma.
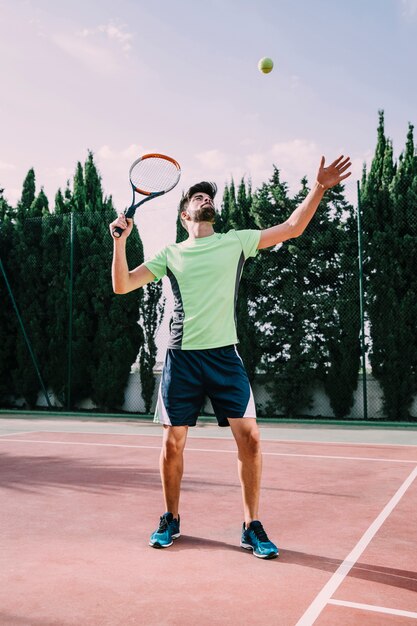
[
  {"x": 120, "y": 241},
  {"x": 320, "y": 186}
]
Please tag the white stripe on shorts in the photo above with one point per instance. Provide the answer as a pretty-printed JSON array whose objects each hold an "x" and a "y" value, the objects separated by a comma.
[
  {"x": 251, "y": 408},
  {"x": 161, "y": 416}
]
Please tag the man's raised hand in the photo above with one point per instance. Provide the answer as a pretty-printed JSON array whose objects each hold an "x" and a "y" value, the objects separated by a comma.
[{"x": 332, "y": 175}]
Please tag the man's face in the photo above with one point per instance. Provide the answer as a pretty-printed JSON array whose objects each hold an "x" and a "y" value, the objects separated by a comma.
[{"x": 201, "y": 208}]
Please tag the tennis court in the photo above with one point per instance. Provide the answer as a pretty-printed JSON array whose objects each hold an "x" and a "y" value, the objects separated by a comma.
[{"x": 80, "y": 499}]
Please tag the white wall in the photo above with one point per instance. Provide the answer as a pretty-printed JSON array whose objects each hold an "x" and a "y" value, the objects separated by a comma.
[{"x": 320, "y": 407}]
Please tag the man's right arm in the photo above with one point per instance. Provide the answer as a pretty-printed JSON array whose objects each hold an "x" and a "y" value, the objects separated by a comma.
[{"x": 124, "y": 280}]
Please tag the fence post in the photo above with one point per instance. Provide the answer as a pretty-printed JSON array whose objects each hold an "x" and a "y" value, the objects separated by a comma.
[
  {"x": 70, "y": 308},
  {"x": 362, "y": 307}
]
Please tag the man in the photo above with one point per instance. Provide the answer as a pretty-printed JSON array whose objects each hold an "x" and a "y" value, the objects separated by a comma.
[{"x": 201, "y": 359}]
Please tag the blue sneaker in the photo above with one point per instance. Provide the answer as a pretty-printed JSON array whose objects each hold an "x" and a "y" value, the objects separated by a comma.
[
  {"x": 169, "y": 529},
  {"x": 255, "y": 538}
]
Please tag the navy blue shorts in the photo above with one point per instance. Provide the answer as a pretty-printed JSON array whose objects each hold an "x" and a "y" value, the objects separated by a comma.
[{"x": 189, "y": 376}]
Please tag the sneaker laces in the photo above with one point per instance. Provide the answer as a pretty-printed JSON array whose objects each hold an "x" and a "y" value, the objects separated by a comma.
[
  {"x": 259, "y": 531},
  {"x": 163, "y": 524}
]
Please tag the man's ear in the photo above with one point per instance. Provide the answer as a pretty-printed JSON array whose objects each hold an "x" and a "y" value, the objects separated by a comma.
[{"x": 185, "y": 215}]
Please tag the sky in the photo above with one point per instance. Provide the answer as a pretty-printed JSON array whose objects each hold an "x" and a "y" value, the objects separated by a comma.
[{"x": 129, "y": 77}]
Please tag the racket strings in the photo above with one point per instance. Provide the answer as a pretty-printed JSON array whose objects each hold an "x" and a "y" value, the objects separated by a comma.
[{"x": 154, "y": 174}]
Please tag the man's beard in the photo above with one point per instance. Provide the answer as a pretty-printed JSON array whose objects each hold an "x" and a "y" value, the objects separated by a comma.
[{"x": 205, "y": 214}]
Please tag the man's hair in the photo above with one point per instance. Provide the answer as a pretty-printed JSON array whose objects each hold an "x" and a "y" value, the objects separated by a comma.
[{"x": 204, "y": 187}]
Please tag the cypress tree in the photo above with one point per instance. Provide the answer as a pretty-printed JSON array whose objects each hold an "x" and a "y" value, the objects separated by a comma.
[
  {"x": 224, "y": 213},
  {"x": 28, "y": 195},
  {"x": 282, "y": 306},
  {"x": 334, "y": 320},
  {"x": 93, "y": 189},
  {"x": 30, "y": 290},
  {"x": 79, "y": 194},
  {"x": 8, "y": 322},
  {"x": 404, "y": 191},
  {"x": 389, "y": 195},
  {"x": 388, "y": 201},
  {"x": 56, "y": 271},
  {"x": 106, "y": 337},
  {"x": 305, "y": 310},
  {"x": 7, "y": 212},
  {"x": 232, "y": 209},
  {"x": 84, "y": 279},
  {"x": 39, "y": 206}
]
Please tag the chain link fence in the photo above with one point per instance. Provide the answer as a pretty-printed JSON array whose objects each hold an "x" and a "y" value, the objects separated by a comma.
[{"x": 309, "y": 314}]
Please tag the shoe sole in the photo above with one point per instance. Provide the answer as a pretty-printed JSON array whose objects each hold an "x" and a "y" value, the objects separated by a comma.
[
  {"x": 247, "y": 546},
  {"x": 163, "y": 545}
]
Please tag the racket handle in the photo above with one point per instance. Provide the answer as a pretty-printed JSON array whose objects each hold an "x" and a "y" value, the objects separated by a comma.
[
  {"x": 129, "y": 213},
  {"x": 117, "y": 232}
]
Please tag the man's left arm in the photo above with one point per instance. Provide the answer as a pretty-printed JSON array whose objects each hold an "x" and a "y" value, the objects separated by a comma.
[{"x": 295, "y": 225}]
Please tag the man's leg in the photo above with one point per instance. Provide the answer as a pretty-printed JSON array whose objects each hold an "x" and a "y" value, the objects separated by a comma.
[
  {"x": 246, "y": 433},
  {"x": 254, "y": 537},
  {"x": 171, "y": 464}
]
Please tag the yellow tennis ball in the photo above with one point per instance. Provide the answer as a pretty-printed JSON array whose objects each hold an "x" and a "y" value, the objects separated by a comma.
[{"x": 265, "y": 65}]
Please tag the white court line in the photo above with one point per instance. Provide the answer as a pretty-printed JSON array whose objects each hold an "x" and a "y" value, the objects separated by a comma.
[
  {"x": 214, "y": 450},
  {"x": 368, "y": 444},
  {"x": 20, "y": 432},
  {"x": 318, "y": 604},
  {"x": 376, "y": 609}
]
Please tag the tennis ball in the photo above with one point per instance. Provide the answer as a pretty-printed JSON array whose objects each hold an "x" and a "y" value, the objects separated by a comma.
[{"x": 265, "y": 65}]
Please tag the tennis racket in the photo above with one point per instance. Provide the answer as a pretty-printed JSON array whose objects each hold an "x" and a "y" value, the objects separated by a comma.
[{"x": 151, "y": 175}]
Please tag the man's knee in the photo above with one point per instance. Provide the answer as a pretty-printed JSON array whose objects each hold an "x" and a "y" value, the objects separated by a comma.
[
  {"x": 171, "y": 449},
  {"x": 173, "y": 444},
  {"x": 249, "y": 442}
]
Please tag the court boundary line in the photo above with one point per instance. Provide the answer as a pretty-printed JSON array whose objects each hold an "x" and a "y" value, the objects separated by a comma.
[
  {"x": 159, "y": 434},
  {"x": 23, "y": 432},
  {"x": 214, "y": 450},
  {"x": 373, "y": 608},
  {"x": 324, "y": 596},
  {"x": 343, "y": 443}
]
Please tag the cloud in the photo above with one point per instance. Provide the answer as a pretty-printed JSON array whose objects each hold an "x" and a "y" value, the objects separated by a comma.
[
  {"x": 299, "y": 158},
  {"x": 212, "y": 159},
  {"x": 295, "y": 152},
  {"x": 60, "y": 174},
  {"x": 130, "y": 153},
  {"x": 113, "y": 32},
  {"x": 96, "y": 58},
  {"x": 97, "y": 48},
  {"x": 257, "y": 161},
  {"x": 294, "y": 159}
]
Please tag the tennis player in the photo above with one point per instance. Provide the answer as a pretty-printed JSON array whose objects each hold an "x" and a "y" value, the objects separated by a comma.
[{"x": 202, "y": 359}]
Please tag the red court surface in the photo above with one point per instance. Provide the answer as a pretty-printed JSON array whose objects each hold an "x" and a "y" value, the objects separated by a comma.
[{"x": 77, "y": 509}]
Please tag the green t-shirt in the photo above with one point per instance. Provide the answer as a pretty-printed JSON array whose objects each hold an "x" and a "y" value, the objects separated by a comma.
[{"x": 205, "y": 275}]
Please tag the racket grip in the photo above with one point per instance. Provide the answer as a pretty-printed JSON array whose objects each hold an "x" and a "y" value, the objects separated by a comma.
[{"x": 117, "y": 232}]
